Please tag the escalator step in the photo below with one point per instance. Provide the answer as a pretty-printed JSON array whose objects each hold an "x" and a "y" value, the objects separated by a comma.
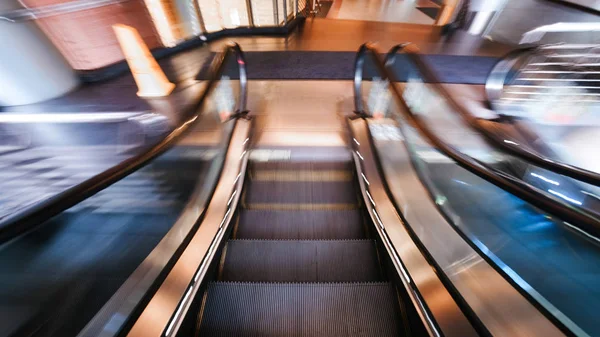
[
  {"x": 300, "y": 261},
  {"x": 259, "y": 309},
  {"x": 299, "y": 225},
  {"x": 302, "y": 175},
  {"x": 300, "y": 194},
  {"x": 301, "y": 165}
]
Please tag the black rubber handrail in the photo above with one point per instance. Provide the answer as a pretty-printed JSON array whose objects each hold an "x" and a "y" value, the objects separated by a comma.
[
  {"x": 506, "y": 63},
  {"x": 21, "y": 222},
  {"x": 573, "y": 215}
]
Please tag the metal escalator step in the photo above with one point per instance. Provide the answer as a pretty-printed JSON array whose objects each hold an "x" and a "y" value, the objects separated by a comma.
[
  {"x": 302, "y": 175},
  {"x": 299, "y": 225},
  {"x": 300, "y": 261},
  {"x": 324, "y": 310},
  {"x": 287, "y": 192},
  {"x": 301, "y": 165}
]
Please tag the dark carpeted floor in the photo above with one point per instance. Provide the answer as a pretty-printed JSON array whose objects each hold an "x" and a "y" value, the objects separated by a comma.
[{"x": 308, "y": 65}]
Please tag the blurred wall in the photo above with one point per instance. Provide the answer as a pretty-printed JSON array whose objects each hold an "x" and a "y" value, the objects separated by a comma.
[
  {"x": 520, "y": 16},
  {"x": 31, "y": 68},
  {"x": 592, "y": 4},
  {"x": 86, "y": 37}
]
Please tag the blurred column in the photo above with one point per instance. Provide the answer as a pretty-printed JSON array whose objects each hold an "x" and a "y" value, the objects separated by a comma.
[{"x": 31, "y": 68}]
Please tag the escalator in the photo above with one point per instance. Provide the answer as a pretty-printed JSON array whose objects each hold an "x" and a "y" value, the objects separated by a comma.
[
  {"x": 308, "y": 244},
  {"x": 301, "y": 260},
  {"x": 299, "y": 255},
  {"x": 207, "y": 238}
]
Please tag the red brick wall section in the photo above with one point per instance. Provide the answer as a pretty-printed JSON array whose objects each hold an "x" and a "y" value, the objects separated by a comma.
[{"x": 86, "y": 38}]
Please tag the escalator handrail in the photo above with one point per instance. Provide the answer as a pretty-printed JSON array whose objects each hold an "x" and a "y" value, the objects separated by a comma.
[
  {"x": 496, "y": 79},
  {"x": 587, "y": 222},
  {"x": 359, "y": 64},
  {"x": 494, "y": 86},
  {"x": 31, "y": 217}
]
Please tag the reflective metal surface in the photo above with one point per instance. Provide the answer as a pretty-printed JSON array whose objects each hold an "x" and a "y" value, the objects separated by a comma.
[
  {"x": 500, "y": 307},
  {"x": 494, "y": 85},
  {"x": 438, "y": 310},
  {"x": 164, "y": 312},
  {"x": 132, "y": 292}
]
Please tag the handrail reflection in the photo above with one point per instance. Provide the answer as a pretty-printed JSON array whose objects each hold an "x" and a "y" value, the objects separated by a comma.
[
  {"x": 527, "y": 192},
  {"x": 21, "y": 222}
]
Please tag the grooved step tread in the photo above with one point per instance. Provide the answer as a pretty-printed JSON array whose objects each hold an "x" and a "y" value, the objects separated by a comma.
[
  {"x": 301, "y": 165},
  {"x": 300, "y": 261},
  {"x": 302, "y": 175},
  {"x": 299, "y": 225},
  {"x": 324, "y": 310},
  {"x": 300, "y": 192}
]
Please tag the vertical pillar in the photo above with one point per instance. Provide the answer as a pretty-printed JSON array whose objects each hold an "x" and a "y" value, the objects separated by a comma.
[
  {"x": 31, "y": 67},
  {"x": 275, "y": 13},
  {"x": 250, "y": 13},
  {"x": 199, "y": 16}
]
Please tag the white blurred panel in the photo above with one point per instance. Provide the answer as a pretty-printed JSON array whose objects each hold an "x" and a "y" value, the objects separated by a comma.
[
  {"x": 263, "y": 12},
  {"x": 233, "y": 13}
]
